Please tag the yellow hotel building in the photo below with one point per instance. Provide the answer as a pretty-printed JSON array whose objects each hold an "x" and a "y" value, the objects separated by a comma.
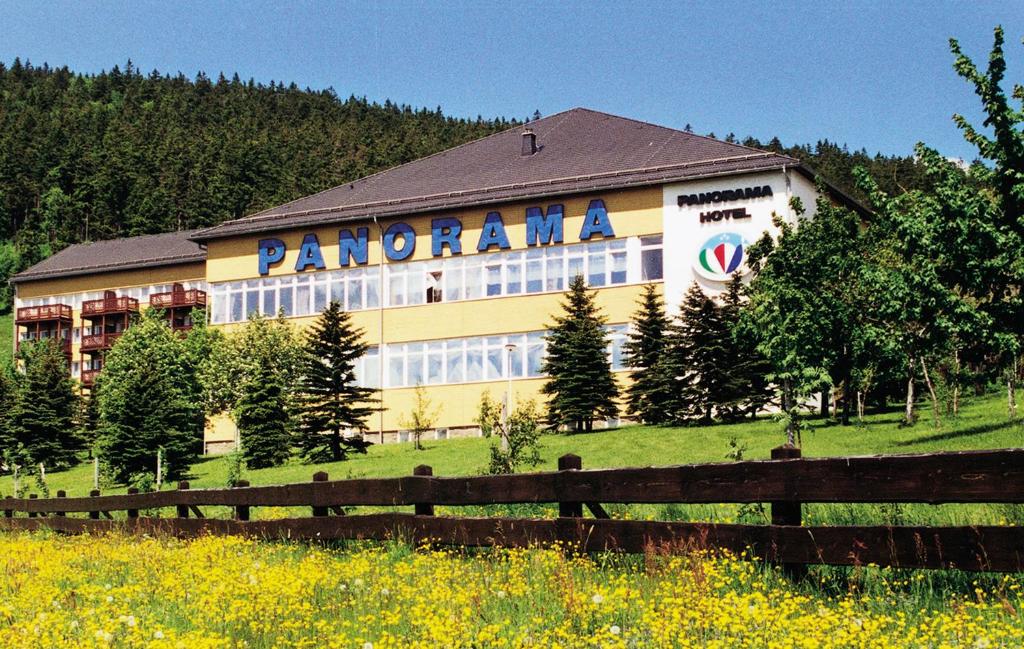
[{"x": 452, "y": 265}]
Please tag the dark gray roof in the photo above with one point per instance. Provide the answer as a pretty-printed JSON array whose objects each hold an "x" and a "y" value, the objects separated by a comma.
[
  {"x": 579, "y": 150},
  {"x": 116, "y": 255}
]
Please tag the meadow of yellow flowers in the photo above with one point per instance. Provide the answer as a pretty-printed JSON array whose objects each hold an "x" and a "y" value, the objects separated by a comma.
[{"x": 117, "y": 591}]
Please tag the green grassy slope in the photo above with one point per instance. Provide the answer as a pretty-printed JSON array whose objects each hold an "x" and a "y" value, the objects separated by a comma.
[
  {"x": 982, "y": 424},
  {"x": 6, "y": 337}
]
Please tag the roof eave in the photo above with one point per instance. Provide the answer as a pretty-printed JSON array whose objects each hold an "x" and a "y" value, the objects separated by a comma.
[
  {"x": 837, "y": 193},
  {"x": 25, "y": 276},
  {"x": 333, "y": 217}
]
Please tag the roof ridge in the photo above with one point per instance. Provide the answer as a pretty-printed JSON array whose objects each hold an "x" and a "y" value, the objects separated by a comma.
[
  {"x": 622, "y": 172},
  {"x": 677, "y": 130},
  {"x": 28, "y": 273},
  {"x": 363, "y": 179},
  {"x": 186, "y": 234}
]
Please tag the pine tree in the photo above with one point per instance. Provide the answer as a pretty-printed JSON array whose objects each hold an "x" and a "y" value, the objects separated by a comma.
[
  {"x": 263, "y": 421},
  {"x": 148, "y": 401},
  {"x": 745, "y": 388},
  {"x": 331, "y": 402},
  {"x": 43, "y": 416},
  {"x": 580, "y": 383},
  {"x": 645, "y": 346}
]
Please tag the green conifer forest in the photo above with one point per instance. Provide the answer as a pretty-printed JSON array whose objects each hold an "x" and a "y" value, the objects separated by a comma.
[{"x": 126, "y": 152}]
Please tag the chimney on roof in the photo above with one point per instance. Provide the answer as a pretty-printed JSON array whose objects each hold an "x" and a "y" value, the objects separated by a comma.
[{"x": 529, "y": 142}]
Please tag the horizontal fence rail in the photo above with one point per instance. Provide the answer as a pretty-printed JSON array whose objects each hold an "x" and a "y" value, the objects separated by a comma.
[{"x": 786, "y": 482}]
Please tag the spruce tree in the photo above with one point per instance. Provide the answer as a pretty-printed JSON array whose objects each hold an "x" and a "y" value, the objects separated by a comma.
[
  {"x": 263, "y": 421},
  {"x": 645, "y": 346},
  {"x": 148, "y": 401},
  {"x": 580, "y": 382},
  {"x": 693, "y": 371},
  {"x": 43, "y": 416},
  {"x": 8, "y": 395},
  {"x": 745, "y": 388},
  {"x": 331, "y": 401}
]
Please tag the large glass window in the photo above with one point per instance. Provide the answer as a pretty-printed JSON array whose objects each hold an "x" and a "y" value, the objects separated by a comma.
[
  {"x": 651, "y": 258},
  {"x": 285, "y": 294},
  {"x": 535, "y": 270},
  {"x": 455, "y": 360}
]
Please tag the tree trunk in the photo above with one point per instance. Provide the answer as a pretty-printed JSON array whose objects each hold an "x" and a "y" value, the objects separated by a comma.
[
  {"x": 787, "y": 401},
  {"x": 824, "y": 403},
  {"x": 908, "y": 415},
  {"x": 956, "y": 384},
  {"x": 845, "y": 418},
  {"x": 1011, "y": 397},
  {"x": 336, "y": 445},
  {"x": 847, "y": 378},
  {"x": 931, "y": 392},
  {"x": 860, "y": 405}
]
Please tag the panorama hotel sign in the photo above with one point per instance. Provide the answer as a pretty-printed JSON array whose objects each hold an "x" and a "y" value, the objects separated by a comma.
[
  {"x": 543, "y": 227},
  {"x": 723, "y": 219}
]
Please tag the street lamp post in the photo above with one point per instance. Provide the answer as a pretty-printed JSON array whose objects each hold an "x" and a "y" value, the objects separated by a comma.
[{"x": 507, "y": 410}]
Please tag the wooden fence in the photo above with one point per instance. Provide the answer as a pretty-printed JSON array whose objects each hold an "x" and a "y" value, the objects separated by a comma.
[{"x": 786, "y": 481}]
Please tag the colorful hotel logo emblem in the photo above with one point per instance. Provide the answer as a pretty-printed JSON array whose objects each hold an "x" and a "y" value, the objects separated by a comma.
[{"x": 721, "y": 256}]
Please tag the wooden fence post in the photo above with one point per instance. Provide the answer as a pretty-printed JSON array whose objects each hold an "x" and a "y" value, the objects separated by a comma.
[
  {"x": 570, "y": 462},
  {"x": 95, "y": 514},
  {"x": 183, "y": 509},
  {"x": 787, "y": 512},
  {"x": 424, "y": 509},
  {"x": 32, "y": 497},
  {"x": 8, "y": 513},
  {"x": 242, "y": 511},
  {"x": 320, "y": 476},
  {"x": 133, "y": 513},
  {"x": 61, "y": 494}
]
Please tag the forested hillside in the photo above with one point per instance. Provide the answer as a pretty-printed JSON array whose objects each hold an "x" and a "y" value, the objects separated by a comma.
[
  {"x": 87, "y": 157},
  {"x": 124, "y": 153}
]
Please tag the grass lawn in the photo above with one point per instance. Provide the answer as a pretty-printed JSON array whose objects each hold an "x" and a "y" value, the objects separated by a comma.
[{"x": 982, "y": 424}]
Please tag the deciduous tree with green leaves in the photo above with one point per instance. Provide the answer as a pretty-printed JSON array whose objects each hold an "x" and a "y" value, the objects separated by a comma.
[
  {"x": 150, "y": 399},
  {"x": 580, "y": 385},
  {"x": 43, "y": 416},
  {"x": 331, "y": 403},
  {"x": 260, "y": 343},
  {"x": 805, "y": 307},
  {"x": 1003, "y": 147},
  {"x": 933, "y": 257},
  {"x": 422, "y": 418}
]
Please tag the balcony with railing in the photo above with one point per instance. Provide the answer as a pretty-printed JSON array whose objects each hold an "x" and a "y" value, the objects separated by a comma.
[
  {"x": 88, "y": 377},
  {"x": 64, "y": 342},
  {"x": 49, "y": 312},
  {"x": 99, "y": 342},
  {"x": 178, "y": 298},
  {"x": 109, "y": 304}
]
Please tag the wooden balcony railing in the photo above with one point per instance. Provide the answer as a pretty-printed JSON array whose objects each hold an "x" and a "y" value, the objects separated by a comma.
[
  {"x": 109, "y": 305},
  {"x": 28, "y": 314},
  {"x": 174, "y": 299},
  {"x": 96, "y": 342},
  {"x": 64, "y": 343},
  {"x": 89, "y": 377}
]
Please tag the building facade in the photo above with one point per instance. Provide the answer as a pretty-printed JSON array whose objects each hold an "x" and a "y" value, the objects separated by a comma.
[{"x": 454, "y": 265}]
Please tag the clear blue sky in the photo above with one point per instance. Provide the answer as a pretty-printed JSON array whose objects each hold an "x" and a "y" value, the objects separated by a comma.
[{"x": 871, "y": 74}]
